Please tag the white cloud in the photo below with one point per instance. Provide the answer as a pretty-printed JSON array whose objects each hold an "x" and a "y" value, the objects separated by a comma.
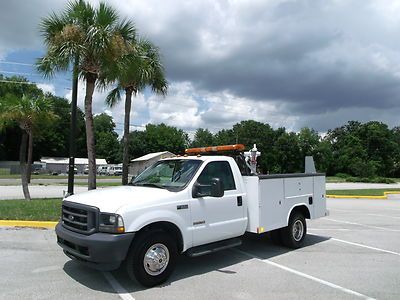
[
  {"x": 47, "y": 88},
  {"x": 178, "y": 108}
]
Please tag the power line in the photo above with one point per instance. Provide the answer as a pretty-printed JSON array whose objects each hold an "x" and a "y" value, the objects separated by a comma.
[
  {"x": 19, "y": 73},
  {"x": 30, "y": 74},
  {"x": 15, "y": 63},
  {"x": 21, "y": 82}
]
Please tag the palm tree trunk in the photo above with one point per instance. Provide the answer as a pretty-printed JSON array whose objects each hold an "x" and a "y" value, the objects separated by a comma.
[
  {"x": 90, "y": 84},
  {"x": 22, "y": 163},
  {"x": 125, "y": 155},
  {"x": 29, "y": 164}
]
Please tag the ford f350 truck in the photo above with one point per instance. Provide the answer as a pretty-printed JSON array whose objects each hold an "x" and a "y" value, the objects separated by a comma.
[{"x": 193, "y": 204}]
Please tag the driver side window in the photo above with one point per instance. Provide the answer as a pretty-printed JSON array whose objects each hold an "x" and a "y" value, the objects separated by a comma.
[{"x": 218, "y": 169}]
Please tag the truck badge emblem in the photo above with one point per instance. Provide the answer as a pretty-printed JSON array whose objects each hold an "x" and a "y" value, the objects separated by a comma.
[{"x": 71, "y": 217}]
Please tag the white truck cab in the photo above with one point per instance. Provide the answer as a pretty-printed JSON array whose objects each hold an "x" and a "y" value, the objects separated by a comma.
[{"x": 193, "y": 204}]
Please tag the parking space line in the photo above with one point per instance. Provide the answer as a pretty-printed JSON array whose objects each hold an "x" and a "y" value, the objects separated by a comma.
[
  {"x": 358, "y": 245},
  {"x": 378, "y": 215},
  {"x": 118, "y": 288},
  {"x": 364, "y": 214},
  {"x": 329, "y": 229},
  {"x": 324, "y": 282},
  {"x": 363, "y": 225}
]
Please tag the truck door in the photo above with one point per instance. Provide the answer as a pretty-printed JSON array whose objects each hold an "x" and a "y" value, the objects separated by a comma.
[{"x": 217, "y": 218}]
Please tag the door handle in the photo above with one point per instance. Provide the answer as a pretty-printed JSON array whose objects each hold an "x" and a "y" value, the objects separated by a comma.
[{"x": 239, "y": 201}]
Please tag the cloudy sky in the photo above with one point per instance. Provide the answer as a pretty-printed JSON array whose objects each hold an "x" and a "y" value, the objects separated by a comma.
[{"x": 288, "y": 63}]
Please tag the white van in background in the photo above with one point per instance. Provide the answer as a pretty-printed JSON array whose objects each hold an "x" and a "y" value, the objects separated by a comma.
[
  {"x": 102, "y": 170},
  {"x": 115, "y": 171}
]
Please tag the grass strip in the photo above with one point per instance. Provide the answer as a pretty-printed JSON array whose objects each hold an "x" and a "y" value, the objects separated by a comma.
[
  {"x": 33, "y": 210},
  {"x": 360, "y": 192}
]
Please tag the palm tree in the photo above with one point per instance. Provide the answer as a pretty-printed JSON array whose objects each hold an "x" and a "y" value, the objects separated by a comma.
[
  {"x": 28, "y": 113},
  {"x": 134, "y": 72},
  {"x": 94, "y": 38}
]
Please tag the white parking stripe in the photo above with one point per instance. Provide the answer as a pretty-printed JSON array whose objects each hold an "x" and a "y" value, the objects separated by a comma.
[
  {"x": 378, "y": 215},
  {"x": 46, "y": 269},
  {"x": 364, "y": 214},
  {"x": 324, "y": 282},
  {"x": 329, "y": 229},
  {"x": 363, "y": 225},
  {"x": 118, "y": 288},
  {"x": 357, "y": 244}
]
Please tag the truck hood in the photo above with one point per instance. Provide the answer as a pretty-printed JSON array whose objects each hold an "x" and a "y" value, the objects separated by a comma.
[{"x": 113, "y": 198}]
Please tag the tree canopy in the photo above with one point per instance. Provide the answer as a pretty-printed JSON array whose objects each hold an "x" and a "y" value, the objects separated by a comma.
[{"x": 358, "y": 149}]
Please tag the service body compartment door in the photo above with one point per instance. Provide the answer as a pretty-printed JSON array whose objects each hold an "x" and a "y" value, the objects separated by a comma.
[
  {"x": 272, "y": 211},
  {"x": 319, "y": 197},
  {"x": 299, "y": 190}
]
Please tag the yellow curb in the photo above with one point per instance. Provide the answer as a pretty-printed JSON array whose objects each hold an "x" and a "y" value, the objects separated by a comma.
[
  {"x": 36, "y": 224},
  {"x": 363, "y": 197}
]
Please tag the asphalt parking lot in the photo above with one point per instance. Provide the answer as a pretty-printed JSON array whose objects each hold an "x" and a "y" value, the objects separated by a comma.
[{"x": 353, "y": 253}]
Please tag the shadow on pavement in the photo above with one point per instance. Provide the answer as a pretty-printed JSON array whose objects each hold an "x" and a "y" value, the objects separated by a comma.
[{"x": 256, "y": 245}]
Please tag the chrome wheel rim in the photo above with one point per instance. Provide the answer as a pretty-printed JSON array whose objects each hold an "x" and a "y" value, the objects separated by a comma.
[
  {"x": 298, "y": 230},
  {"x": 156, "y": 259}
]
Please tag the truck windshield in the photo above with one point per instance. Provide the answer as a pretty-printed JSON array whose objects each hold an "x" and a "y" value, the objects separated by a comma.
[{"x": 168, "y": 174}]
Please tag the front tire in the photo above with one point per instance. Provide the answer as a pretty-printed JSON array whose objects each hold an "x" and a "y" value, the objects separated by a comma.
[
  {"x": 293, "y": 235},
  {"x": 152, "y": 258}
]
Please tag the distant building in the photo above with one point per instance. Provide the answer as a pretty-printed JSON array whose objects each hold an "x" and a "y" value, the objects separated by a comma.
[
  {"x": 60, "y": 164},
  {"x": 141, "y": 163}
]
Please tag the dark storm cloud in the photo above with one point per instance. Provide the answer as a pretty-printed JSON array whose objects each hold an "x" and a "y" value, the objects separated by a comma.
[
  {"x": 317, "y": 61},
  {"x": 313, "y": 56},
  {"x": 19, "y": 25}
]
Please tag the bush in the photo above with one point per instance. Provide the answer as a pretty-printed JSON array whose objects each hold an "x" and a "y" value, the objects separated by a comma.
[
  {"x": 383, "y": 180},
  {"x": 370, "y": 180},
  {"x": 342, "y": 175}
]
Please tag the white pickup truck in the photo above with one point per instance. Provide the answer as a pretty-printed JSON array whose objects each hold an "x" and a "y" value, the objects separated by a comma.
[{"x": 193, "y": 204}]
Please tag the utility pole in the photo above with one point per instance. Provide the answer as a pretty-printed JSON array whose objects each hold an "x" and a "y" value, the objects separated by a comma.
[{"x": 72, "y": 148}]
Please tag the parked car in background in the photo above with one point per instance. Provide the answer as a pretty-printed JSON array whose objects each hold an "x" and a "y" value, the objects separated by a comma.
[
  {"x": 115, "y": 171},
  {"x": 102, "y": 170}
]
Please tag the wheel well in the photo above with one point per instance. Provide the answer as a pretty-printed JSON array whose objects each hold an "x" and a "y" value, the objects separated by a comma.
[
  {"x": 300, "y": 209},
  {"x": 167, "y": 227}
]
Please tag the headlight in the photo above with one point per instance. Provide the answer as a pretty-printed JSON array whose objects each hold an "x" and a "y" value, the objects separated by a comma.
[{"x": 111, "y": 223}]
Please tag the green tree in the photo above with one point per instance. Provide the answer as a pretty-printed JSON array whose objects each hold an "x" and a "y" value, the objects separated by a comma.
[
  {"x": 10, "y": 136},
  {"x": 55, "y": 136},
  {"x": 289, "y": 159},
  {"x": 252, "y": 132},
  {"x": 380, "y": 144},
  {"x": 107, "y": 145},
  {"x": 29, "y": 113},
  {"x": 137, "y": 144},
  {"x": 202, "y": 138},
  {"x": 91, "y": 39},
  {"x": 225, "y": 137},
  {"x": 134, "y": 72},
  {"x": 166, "y": 138}
]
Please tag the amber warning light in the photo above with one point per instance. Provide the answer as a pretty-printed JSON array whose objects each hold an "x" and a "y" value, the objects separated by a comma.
[{"x": 237, "y": 147}]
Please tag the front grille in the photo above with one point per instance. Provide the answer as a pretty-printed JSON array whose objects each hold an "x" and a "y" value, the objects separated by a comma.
[{"x": 79, "y": 218}]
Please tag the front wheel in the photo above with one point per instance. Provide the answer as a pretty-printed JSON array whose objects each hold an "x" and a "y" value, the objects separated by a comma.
[
  {"x": 293, "y": 235},
  {"x": 152, "y": 259}
]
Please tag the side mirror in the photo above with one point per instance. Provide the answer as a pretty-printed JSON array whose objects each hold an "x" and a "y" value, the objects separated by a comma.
[{"x": 215, "y": 189}]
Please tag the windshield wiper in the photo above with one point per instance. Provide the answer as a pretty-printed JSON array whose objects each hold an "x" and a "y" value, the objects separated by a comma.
[{"x": 150, "y": 185}]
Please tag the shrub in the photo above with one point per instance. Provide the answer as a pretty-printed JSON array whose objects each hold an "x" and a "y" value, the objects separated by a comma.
[{"x": 342, "y": 175}]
